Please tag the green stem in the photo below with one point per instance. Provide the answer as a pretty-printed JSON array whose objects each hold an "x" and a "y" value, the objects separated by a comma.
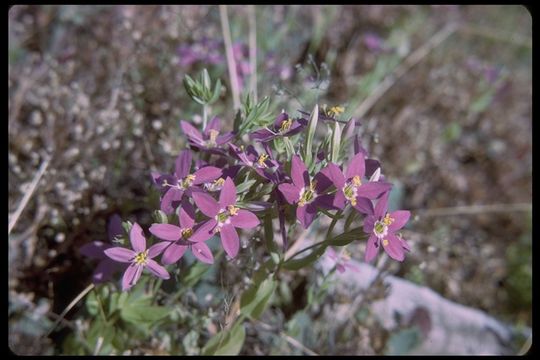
[{"x": 101, "y": 311}]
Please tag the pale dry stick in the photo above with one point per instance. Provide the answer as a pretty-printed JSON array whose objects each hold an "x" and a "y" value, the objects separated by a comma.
[
  {"x": 29, "y": 193},
  {"x": 297, "y": 344},
  {"x": 70, "y": 306},
  {"x": 253, "y": 49},
  {"x": 413, "y": 59},
  {"x": 474, "y": 209},
  {"x": 301, "y": 238},
  {"x": 231, "y": 63}
]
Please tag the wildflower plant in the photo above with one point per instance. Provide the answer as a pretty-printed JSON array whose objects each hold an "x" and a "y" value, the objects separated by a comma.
[{"x": 233, "y": 184}]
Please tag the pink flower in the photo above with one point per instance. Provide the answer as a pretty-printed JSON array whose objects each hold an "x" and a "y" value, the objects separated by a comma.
[
  {"x": 224, "y": 216},
  {"x": 182, "y": 237},
  {"x": 138, "y": 258},
  {"x": 341, "y": 260},
  {"x": 382, "y": 227}
]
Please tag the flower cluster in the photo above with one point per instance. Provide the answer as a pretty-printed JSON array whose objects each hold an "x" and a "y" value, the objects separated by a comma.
[{"x": 221, "y": 186}]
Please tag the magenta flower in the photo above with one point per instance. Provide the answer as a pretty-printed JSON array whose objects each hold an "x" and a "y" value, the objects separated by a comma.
[
  {"x": 306, "y": 193},
  {"x": 342, "y": 260},
  {"x": 174, "y": 186},
  {"x": 382, "y": 227},
  {"x": 209, "y": 139},
  {"x": 217, "y": 184},
  {"x": 351, "y": 188},
  {"x": 95, "y": 250},
  {"x": 182, "y": 237},
  {"x": 225, "y": 217},
  {"x": 283, "y": 126},
  {"x": 138, "y": 258},
  {"x": 262, "y": 163}
]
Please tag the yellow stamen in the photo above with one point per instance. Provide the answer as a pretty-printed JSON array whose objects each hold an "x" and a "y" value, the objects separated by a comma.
[
  {"x": 141, "y": 258},
  {"x": 188, "y": 181},
  {"x": 232, "y": 210},
  {"x": 356, "y": 181},
  {"x": 385, "y": 242},
  {"x": 262, "y": 159},
  {"x": 219, "y": 182},
  {"x": 388, "y": 220},
  {"x": 285, "y": 125},
  {"x": 336, "y": 110},
  {"x": 213, "y": 135},
  {"x": 186, "y": 233}
]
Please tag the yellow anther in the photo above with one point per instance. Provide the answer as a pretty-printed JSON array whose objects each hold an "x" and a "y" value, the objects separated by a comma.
[
  {"x": 262, "y": 159},
  {"x": 219, "y": 182},
  {"x": 388, "y": 220},
  {"x": 385, "y": 242},
  {"x": 186, "y": 233},
  {"x": 336, "y": 110},
  {"x": 232, "y": 210},
  {"x": 356, "y": 181},
  {"x": 285, "y": 125},
  {"x": 141, "y": 258},
  {"x": 213, "y": 135},
  {"x": 353, "y": 202}
]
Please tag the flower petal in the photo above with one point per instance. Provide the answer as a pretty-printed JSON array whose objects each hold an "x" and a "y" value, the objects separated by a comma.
[
  {"x": 166, "y": 231},
  {"x": 183, "y": 164},
  {"x": 371, "y": 166},
  {"x": 279, "y": 119},
  {"x": 357, "y": 167},
  {"x": 290, "y": 192},
  {"x": 212, "y": 125},
  {"x": 323, "y": 182},
  {"x": 170, "y": 200},
  {"x": 120, "y": 254},
  {"x": 371, "y": 248},
  {"x": 202, "y": 252},
  {"x": 372, "y": 190},
  {"x": 206, "y": 174},
  {"x": 186, "y": 214},
  {"x": 339, "y": 199},
  {"x": 94, "y": 249},
  {"x": 157, "y": 248},
  {"x": 382, "y": 206},
  {"x": 136, "y": 236},
  {"x": 400, "y": 219},
  {"x": 206, "y": 204},
  {"x": 225, "y": 138},
  {"x": 131, "y": 276},
  {"x": 245, "y": 219},
  {"x": 157, "y": 269},
  {"x": 191, "y": 132},
  {"x": 230, "y": 240},
  {"x": 325, "y": 201},
  {"x": 173, "y": 253},
  {"x": 204, "y": 231},
  {"x": 262, "y": 135},
  {"x": 369, "y": 223},
  {"x": 104, "y": 271},
  {"x": 364, "y": 205},
  {"x": 333, "y": 172},
  {"x": 228, "y": 193},
  {"x": 393, "y": 247},
  {"x": 306, "y": 214},
  {"x": 340, "y": 268},
  {"x": 299, "y": 173},
  {"x": 115, "y": 227}
]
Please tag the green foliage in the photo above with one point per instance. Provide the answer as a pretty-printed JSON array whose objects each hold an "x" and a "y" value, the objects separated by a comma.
[
  {"x": 226, "y": 342},
  {"x": 201, "y": 90},
  {"x": 255, "y": 300}
]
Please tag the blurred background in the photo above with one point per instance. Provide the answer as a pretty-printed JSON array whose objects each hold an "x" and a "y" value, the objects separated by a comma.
[{"x": 444, "y": 95}]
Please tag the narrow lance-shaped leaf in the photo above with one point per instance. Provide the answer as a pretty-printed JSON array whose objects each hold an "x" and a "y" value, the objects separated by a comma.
[
  {"x": 336, "y": 141},
  {"x": 312, "y": 126}
]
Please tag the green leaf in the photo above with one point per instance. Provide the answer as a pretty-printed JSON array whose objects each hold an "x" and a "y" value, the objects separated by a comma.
[
  {"x": 127, "y": 226},
  {"x": 296, "y": 264},
  {"x": 228, "y": 342},
  {"x": 269, "y": 234},
  {"x": 336, "y": 142},
  {"x": 216, "y": 93},
  {"x": 312, "y": 127},
  {"x": 245, "y": 186},
  {"x": 141, "y": 311},
  {"x": 348, "y": 237},
  {"x": 160, "y": 217},
  {"x": 92, "y": 305},
  {"x": 195, "y": 273},
  {"x": 102, "y": 332},
  {"x": 255, "y": 300}
]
